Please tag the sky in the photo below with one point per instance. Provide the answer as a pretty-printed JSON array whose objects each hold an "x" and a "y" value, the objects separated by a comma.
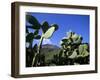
[{"x": 66, "y": 22}]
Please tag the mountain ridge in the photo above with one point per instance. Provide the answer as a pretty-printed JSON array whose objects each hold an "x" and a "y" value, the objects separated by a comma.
[{"x": 50, "y": 46}]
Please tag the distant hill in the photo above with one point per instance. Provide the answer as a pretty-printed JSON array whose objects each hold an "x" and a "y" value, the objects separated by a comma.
[
  {"x": 49, "y": 51},
  {"x": 50, "y": 46}
]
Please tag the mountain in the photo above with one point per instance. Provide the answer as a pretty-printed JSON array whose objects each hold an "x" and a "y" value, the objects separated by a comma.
[
  {"x": 49, "y": 51},
  {"x": 50, "y": 46}
]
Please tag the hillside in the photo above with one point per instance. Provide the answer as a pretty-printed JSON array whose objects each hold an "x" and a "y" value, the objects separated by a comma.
[{"x": 49, "y": 51}]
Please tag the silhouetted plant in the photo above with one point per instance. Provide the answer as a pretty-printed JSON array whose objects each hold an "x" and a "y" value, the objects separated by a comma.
[{"x": 47, "y": 32}]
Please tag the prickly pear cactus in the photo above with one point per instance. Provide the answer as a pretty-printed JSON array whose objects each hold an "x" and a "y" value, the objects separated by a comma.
[
  {"x": 36, "y": 59},
  {"x": 74, "y": 49}
]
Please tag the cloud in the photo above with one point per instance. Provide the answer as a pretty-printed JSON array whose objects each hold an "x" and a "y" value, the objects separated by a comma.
[
  {"x": 47, "y": 41},
  {"x": 27, "y": 44}
]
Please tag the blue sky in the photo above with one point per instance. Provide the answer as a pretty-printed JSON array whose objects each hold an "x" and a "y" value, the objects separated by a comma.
[{"x": 76, "y": 23}]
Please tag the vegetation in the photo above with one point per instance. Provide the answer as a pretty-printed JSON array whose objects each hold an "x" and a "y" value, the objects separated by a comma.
[
  {"x": 72, "y": 50},
  {"x": 33, "y": 56}
]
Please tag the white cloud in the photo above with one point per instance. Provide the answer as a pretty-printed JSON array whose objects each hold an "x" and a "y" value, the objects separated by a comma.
[
  {"x": 27, "y": 44},
  {"x": 47, "y": 41}
]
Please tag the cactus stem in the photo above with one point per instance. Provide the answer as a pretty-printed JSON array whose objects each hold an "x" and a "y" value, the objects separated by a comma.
[{"x": 38, "y": 52}]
